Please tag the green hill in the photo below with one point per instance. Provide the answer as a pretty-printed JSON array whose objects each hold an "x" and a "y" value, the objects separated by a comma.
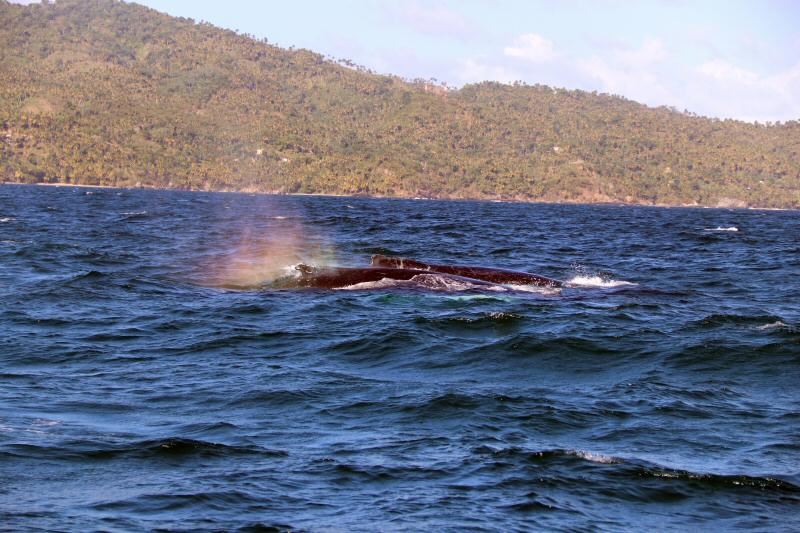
[{"x": 110, "y": 93}]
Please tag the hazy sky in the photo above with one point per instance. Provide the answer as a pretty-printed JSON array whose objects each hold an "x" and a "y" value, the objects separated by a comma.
[{"x": 723, "y": 58}]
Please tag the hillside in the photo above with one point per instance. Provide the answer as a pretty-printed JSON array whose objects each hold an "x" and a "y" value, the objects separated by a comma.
[{"x": 111, "y": 93}]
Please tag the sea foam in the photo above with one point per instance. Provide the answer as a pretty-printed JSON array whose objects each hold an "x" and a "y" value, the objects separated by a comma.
[
  {"x": 721, "y": 228},
  {"x": 583, "y": 280}
]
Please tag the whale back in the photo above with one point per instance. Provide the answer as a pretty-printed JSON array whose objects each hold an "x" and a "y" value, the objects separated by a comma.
[
  {"x": 338, "y": 277},
  {"x": 379, "y": 260},
  {"x": 492, "y": 275}
]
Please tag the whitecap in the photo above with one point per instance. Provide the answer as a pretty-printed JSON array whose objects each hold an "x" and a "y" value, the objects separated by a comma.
[
  {"x": 596, "y": 281},
  {"x": 774, "y": 325},
  {"x": 721, "y": 228},
  {"x": 536, "y": 289},
  {"x": 46, "y": 422},
  {"x": 471, "y": 297},
  {"x": 6, "y": 219},
  {"x": 594, "y": 457}
]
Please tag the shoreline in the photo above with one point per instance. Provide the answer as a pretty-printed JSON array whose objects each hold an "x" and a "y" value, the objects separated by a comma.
[{"x": 337, "y": 195}]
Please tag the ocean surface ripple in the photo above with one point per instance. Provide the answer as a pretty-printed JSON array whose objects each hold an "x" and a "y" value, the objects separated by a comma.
[{"x": 154, "y": 378}]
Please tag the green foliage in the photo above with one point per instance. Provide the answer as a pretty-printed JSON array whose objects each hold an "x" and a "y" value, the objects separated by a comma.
[{"x": 105, "y": 92}]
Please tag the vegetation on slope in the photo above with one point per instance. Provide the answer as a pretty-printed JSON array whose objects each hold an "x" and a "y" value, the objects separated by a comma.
[{"x": 110, "y": 93}]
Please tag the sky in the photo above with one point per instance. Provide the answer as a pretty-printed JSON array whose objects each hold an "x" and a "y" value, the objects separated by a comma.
[{"x": 721, "y": 58}]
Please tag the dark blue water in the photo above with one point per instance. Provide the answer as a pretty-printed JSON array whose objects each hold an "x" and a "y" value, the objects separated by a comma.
[{"x": 148, "y": 380}]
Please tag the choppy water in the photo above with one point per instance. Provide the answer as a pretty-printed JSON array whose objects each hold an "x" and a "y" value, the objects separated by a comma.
[{"x": 148, "y": 381}]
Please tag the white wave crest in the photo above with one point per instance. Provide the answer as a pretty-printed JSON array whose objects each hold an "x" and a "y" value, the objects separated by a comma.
[
  {"x": 594, "y": 457},
  {"x": 775, "y": 325},
  {"x": 472, "y": 297},
  {"x": 583, "y": 280},
  {"x": 46, "y": 422},
  {"x": 721, "y": 228},
  {"x": 536, "y": 289},
  {"x": 6, "y": 219}
]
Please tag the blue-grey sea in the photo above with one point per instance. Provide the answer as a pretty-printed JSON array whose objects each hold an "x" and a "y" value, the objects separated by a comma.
[{"x": 152, "y": 376}]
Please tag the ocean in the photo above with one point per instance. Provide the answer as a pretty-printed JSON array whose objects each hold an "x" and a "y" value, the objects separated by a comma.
[{"x": 155, "y": 377}]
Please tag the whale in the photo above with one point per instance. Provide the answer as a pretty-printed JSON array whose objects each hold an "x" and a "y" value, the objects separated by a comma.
[
  {"x": 311, "y": 277},
  {"x": 487, "y": 274}
]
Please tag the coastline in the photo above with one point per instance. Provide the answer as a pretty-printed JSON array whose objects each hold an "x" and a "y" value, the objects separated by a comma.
[{"x": 337, "y": 195}]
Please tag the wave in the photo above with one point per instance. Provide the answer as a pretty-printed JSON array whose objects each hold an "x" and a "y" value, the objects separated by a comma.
[
  {"x": 732, "y": 229},
  {"x": 535, "y": 289},
  {"x": 731, "y": 481},
  {"x": 443, "y": 405},
  {"x": 166, "y": 447},
  {"x": 133, "y": 215},
  {"x": 92, "y": 274},
  {"x": 639, "y": 469},
  {"x": 491, "y": 319},
  {"x": 382, "y": 250},
  {"x": 168, "y": 502},
  {"x": 545, "y": 455},
  {"x": 777, "y": 325},
  {"x": 359, "y": 473},
  {"x": 522, "y": 453},
  {"x": 580, "y": 454},
  {"x": 7, "y": 219},
  {"x": 481, "y": 297},
  {"x": 761, "y": 322}
]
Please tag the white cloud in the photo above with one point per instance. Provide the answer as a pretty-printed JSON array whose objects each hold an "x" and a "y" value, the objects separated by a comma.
[
  {"x": 787, "y": 83},
  {"x": 723, "y": 71},
  {"x": 532, "y": 47},
  {"x": 476, "y": 70},
  {"x": 725, "y": 89},
  {"x": 643, "y": 85},
  {"x": 633, "y": 72},
  {"x": 646, "y": 72}
]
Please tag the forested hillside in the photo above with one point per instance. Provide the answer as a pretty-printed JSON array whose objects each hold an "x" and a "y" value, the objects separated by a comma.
[{"x": 111, "y": 93}]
